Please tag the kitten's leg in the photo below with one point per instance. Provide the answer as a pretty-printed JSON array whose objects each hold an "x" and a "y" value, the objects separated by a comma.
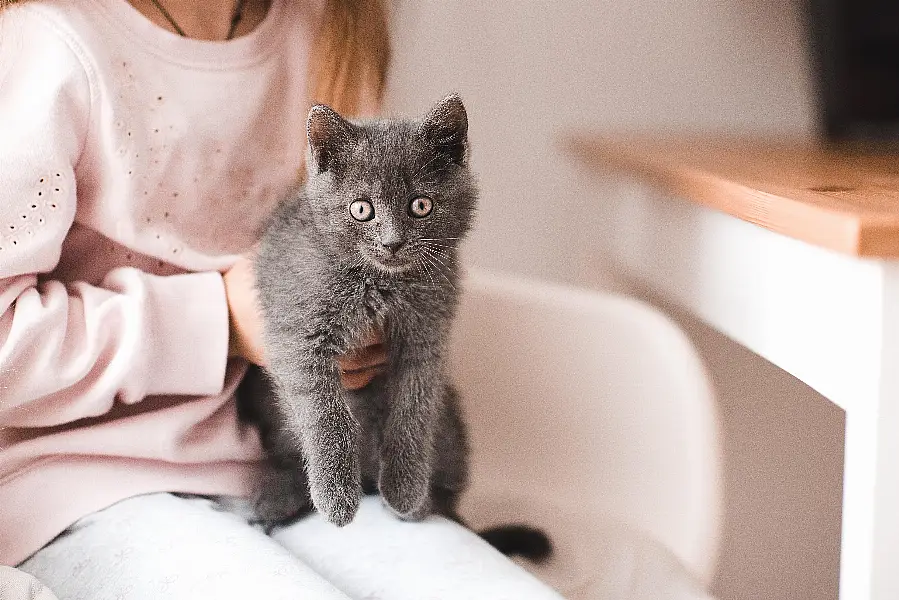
[
  {"x": 313, "y": 407},
  {"x": 405, "y": 466},
  {"x": 451, "y": 451},
  {"x": 407, "y": 448},
  {"x": 282, "y": 493},
  {"x": 283, "y": 496}
]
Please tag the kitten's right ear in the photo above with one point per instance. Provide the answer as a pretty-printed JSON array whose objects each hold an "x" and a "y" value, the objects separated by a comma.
[{"x": 328, "y": 133}]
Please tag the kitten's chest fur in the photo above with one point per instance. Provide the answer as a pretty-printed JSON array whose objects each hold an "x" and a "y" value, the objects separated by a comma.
[
  {"x": 340, "y": 302},
  {"x": 400, "y": 304}
]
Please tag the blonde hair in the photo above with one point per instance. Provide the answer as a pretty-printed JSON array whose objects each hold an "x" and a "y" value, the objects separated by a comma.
[{"x": 350, "y": 55}]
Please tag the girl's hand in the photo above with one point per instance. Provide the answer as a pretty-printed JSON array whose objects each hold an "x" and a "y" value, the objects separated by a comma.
[
  {"x": 357, "y": 368},
  {"x": 244, "y": 314},
  {"x": 361, "y": 365}
]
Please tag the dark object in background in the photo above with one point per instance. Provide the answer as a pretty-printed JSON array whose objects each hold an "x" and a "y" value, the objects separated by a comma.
[{"x": 855, "y": 45}]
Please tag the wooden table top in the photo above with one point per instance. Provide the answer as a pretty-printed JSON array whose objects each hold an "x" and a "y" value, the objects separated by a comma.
[{"x": 839, "y": 198}]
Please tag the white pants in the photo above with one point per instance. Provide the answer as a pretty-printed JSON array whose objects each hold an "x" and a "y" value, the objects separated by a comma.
[{"x": 179, "y": 548}]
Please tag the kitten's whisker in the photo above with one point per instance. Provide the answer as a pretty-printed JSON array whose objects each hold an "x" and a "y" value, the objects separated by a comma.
[
  {"x": 446, "y": 250},
  {"x": 431, "y": 251},
  {"x": 439, "y": 239},
  {"x": 426, "y": 271},
  {"x": 436, "y": 271},
  {"x": 439, "y": 272},
  {"x": 357, "y": 262},
  {"x": 433, "y": 281},
  {"x": 438, "y": 247},
  {"x": 430, "y": 243},
  {"x": 437, "y": 258}
]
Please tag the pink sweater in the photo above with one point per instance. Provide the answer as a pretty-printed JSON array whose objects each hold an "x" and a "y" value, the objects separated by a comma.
[{"x": 135, "y": 166}]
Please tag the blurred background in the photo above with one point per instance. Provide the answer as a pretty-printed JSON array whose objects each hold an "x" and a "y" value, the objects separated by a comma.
[{"x": 532, "y": 72}]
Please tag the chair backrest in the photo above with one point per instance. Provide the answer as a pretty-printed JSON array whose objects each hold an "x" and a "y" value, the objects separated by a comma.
[{"x": 585, "y": 407}]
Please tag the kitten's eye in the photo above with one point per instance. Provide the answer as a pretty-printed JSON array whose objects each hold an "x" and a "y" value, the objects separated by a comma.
[
  {"x": 362, "y": 210},
  {"x": 421, "y": 207}
]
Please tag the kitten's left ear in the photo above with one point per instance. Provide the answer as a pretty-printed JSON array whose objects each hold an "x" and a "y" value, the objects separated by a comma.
[
  {"x": 328, "y": 134},
  {"x": 446, "y": 127}
]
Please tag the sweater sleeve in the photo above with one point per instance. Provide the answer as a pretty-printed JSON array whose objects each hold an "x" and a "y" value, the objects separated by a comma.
[{"x": 70, "y": 350}]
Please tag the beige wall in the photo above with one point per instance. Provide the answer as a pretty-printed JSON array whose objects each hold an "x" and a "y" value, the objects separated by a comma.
[{"x": 530, "y": 71}]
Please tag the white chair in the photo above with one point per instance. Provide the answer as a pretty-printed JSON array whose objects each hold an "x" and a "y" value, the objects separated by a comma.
[{"x": 587, "y": 410}]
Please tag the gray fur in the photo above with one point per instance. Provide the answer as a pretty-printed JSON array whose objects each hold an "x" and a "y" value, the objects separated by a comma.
[{"x": 326, "y": 279}]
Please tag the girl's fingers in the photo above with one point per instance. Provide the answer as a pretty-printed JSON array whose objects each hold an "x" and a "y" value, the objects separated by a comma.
[
  {"x": 358, "y": 367},
  {"x": 356, "y": 380},
  {"x": 364, "y": 358}
]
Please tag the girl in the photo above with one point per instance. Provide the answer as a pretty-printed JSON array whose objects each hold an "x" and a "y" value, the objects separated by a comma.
[{"x": 141, "y": 145}]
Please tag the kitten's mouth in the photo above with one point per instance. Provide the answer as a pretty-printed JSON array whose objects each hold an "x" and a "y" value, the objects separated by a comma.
[{"x": 390, "y": 264}]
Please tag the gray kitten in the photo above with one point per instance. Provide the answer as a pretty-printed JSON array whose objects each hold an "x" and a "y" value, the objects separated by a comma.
[{"x": 371, "y": 241}]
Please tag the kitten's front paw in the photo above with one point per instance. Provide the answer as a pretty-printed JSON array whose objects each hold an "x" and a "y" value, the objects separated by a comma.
[
  {"x": 404, "y": 489},
  {"x": 334, "y": 477},
  {"x": 338, "y": 506}
]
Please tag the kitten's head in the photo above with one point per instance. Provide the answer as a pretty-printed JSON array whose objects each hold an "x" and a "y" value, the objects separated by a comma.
[{"x": 392, "y": 193}]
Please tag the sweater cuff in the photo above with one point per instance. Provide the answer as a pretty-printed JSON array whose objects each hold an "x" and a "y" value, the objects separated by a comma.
[{"x": 189, "y": 334}]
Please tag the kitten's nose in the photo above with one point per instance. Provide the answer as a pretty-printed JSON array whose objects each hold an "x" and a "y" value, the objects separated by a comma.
[
  {"x": 392, "y": 244},
  {"x": 391, "y": 237}
]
